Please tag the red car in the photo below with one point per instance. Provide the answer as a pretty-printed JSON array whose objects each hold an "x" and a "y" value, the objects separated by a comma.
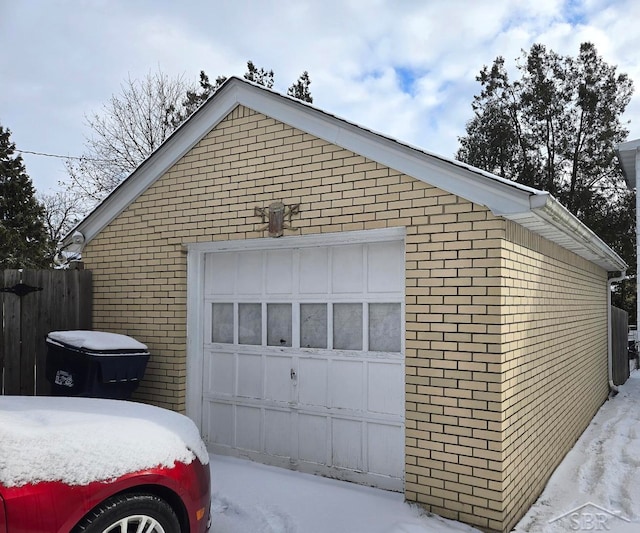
[{"x": 88, "y": 465}]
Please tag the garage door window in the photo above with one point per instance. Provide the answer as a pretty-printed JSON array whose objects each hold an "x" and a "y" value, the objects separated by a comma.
[
  {"x": 385, "y": 327},
  {"x": 347, "y": 326},
  {"x": 250, "y": 324},
  {"x": 279, "y": 327},
  {"x": 222, "y": 323},
  {"x": 313, "y": 325}
]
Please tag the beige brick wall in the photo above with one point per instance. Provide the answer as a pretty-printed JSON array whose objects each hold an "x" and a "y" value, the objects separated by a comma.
[
  {"x": 555, "y": 359},
  {"x": 474, "y": 356},
  {"x": 453, "y": 362}
]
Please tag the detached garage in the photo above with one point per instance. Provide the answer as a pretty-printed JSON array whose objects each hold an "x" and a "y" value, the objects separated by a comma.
[{"x": 321, "y": 297}]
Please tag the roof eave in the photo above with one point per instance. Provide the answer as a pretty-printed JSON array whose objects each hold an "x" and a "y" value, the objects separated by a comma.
[
  {"x": 563, "y": 228},
  {"x": 627, "y": 153}
]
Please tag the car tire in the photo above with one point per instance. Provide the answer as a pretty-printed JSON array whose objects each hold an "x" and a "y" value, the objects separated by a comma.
[{"x": 126, "y": 513}]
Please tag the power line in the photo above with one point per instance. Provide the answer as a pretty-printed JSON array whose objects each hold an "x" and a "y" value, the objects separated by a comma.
[{"x": 63, "y": 156}]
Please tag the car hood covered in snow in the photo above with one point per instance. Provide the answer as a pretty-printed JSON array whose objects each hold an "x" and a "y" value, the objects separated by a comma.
[{"x": 81, "y": 440}]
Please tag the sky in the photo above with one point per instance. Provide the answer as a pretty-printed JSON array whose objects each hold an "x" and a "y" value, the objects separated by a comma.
[{"x": 405, "y": 68}]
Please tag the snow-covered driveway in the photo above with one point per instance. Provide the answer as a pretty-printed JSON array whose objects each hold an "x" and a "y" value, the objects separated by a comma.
[
  {"x": 253, "y": 498},
  {"x": 596, "y": 488}
]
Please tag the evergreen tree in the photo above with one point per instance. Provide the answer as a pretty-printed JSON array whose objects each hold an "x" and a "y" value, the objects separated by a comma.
[
  {"x": 196, "y": 97},
  {"x": 23, "y": 237},
  {"x": 555, "y": 128},
  {"x": 300, "y": 89},
  {"x": 259, "y": 75}
]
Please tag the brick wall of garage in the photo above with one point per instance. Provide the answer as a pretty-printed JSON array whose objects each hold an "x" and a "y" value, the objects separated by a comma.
[
  {"x": 554, "y": 308},
  {"x": 461, "y": 378}
]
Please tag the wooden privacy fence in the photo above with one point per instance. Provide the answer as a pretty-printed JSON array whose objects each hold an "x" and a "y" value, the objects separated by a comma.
[
  {"x": 32, "y": 304},
  {"x": 620, "y": 345}
]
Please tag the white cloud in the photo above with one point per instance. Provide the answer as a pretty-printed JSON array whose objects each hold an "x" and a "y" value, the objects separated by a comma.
[{"x": 67, "y": 60}]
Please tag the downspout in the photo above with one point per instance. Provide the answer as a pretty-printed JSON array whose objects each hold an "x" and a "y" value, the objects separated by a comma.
[{"x": 610, "y": 282}]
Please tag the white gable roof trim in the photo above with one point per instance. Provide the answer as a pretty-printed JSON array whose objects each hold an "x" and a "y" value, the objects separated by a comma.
[{"x": 533, "y": 209}]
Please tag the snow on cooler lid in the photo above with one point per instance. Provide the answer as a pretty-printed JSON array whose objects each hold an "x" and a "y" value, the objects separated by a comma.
[
  {"x": 81, "y": 440},
  {"x": 97, "y": 340}
]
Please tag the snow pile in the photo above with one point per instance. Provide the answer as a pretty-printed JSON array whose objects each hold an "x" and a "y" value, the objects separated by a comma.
[{"x": 81, "y": 440}]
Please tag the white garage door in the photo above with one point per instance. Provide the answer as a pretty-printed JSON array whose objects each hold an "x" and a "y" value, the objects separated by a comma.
[{"x": 303, "y": 358}]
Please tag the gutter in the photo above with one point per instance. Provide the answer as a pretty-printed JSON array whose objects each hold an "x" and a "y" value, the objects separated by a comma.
[
  {"x": 549, "y": 209},
  {"x": 610, "y": 282}
]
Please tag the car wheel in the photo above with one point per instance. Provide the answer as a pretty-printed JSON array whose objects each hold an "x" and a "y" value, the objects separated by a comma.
[{"x": 131, "y": 513}]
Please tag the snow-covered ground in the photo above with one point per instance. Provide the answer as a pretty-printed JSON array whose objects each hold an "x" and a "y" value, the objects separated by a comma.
[
  {"x": 253, "y": 498},
  {"x": 596, "y": 488}
]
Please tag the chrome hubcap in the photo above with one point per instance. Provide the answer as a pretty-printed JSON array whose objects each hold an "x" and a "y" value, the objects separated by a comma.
[{"x": 135, "y": 524}]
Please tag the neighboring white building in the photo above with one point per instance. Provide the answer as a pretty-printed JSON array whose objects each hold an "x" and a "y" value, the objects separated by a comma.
[{"x": 629, "y": 156}]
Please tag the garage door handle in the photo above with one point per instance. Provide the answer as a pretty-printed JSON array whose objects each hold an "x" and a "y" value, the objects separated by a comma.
[{"x": 293, "y": 374}]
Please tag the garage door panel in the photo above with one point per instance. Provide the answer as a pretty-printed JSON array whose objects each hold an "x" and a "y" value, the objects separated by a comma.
[
  {"x": 347, "y": 269},
  {"x": 220, "y": 273},
  {"x": 219, "y": 421},
  {"x": 314, "y": 271},
  {"x": 346, "y": 386},
  {"x": 381, "y": 396},
  {"x": 313, "y": 440},
  {"x": 385, "y": 448},
  {"x": 385, "y": 267},
  {"x": 249, "y": 273},
  {"x": 250, "y": 376},
  {"x": 279, "y": 275},
  {"x": 248, "y": 428},
  {"x": 312, "y": 382},
  {"x": 346, "y": 444},
  {"x": 277, "y": 432},
  {"x": 219, "y": 369},
  {"x": 278, "y": 378}
]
